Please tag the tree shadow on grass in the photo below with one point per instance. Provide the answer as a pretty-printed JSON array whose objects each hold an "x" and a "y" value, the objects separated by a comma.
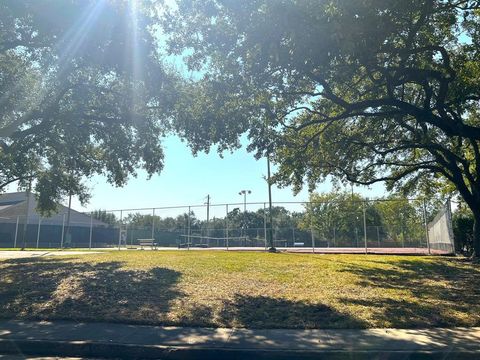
[
  {"x": 54, "y": 289},
  {"x": 438, "y": 293},
  {"x": 43, "y": 288},
  {"x": 266, "y": 312}
]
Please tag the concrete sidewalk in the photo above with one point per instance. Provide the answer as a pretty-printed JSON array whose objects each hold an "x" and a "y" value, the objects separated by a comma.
[
  {"x": 64, "y": 338},
  {"x": 18, "y": 254}
]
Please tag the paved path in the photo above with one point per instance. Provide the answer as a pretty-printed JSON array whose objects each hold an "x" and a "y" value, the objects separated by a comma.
[
  {"x": 119, "y": 340},
  {"x": 13, "y": 254}
]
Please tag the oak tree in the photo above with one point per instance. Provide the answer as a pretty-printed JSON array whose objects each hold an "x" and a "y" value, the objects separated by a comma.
[
  {"x": 82, "y": 92},
  {"x": 366, "y": 91}
]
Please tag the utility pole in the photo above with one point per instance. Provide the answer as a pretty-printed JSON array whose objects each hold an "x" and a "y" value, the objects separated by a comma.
[
  {"x": 269, "y": 183},
  {"x": 270, "y": 228},
  {"x": 68, "y": 235},
  {"x": 68, "y": 217},
  {"x": 208, "y": 208}
]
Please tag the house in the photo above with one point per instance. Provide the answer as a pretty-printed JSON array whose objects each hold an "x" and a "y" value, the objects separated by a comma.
[
  {"x": 48, "y": 231},
  {"x": 13, "y": 205}
]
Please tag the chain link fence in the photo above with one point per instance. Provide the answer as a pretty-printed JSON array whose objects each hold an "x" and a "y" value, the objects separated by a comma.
[{"x": 357, "y": 224}]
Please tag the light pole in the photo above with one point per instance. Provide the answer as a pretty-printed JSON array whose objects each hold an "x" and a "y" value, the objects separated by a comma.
[
  {"x": 25, "y": 225},
  {"x": 244, "y": 193}
]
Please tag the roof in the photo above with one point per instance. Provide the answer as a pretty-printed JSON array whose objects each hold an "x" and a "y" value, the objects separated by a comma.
[
  {"x": 13, "y": 197},
  {"x": 13, "y": 205}
]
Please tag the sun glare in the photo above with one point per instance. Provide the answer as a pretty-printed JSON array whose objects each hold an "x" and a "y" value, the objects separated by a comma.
[{"x": 134, "y": 52}]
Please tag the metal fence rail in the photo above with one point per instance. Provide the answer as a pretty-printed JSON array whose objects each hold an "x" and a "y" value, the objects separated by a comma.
[{"x": 360, "y": 224}]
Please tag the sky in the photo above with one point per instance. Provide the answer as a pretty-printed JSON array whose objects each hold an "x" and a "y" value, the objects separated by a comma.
[{"x": 187, "y": 180}]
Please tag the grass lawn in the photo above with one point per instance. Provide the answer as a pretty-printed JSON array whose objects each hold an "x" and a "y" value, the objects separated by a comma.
[
  {"x": 240, "y": 289},
  {"x": 45, "y": 249}
]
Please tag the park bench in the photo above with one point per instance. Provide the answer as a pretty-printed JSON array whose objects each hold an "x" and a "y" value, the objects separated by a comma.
[
  {"x": 147, "y": 242},
  {"x": 298, "y": 244}
]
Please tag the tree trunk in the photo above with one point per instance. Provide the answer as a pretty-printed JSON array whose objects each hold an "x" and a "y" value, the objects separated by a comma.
[
  {"x": 476, "y": 233},
  {"x": 473, "y": 202}
]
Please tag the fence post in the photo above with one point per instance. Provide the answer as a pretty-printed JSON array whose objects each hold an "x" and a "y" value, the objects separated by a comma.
[
  {"x": 426, "y": 225},
  {"x": 91, "y": 230},
  {"x": 16, "y": 233},
  {"x": 120, "y": 229},
  {"x": 63, "y": 232},
  {"x": 313, "y": 239},
  {"x": 188, "y": 230},
  {"x": 365, "y": 226},
  {"x": 265, "y": 224},
  {"x": 153, "y": 224},
  {"x": 378, "y": 235},
  {"x": 226, "y": 224},
  {"x": 38, "y": 231},
  {"x": 450, "y": 223}
]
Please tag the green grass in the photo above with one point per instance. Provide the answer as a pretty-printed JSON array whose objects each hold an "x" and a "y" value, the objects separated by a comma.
[{"x": 240, "y": 289}]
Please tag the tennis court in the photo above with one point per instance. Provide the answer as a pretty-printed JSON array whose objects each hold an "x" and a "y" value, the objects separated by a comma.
[
  {"x": 353, "y": 227},
  {"x": 309, "y": 250}
]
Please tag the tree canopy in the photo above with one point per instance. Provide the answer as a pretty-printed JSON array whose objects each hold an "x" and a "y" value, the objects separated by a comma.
[
  {"x": 82, "y": 92},
  {"x": 367, "y": 91}
]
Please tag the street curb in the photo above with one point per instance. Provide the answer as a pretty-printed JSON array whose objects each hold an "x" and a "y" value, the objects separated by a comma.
[{"x": 131, "y": 351}]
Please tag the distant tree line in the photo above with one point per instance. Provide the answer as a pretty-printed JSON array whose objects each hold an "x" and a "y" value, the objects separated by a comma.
[{"x": 332, "y": 219}]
